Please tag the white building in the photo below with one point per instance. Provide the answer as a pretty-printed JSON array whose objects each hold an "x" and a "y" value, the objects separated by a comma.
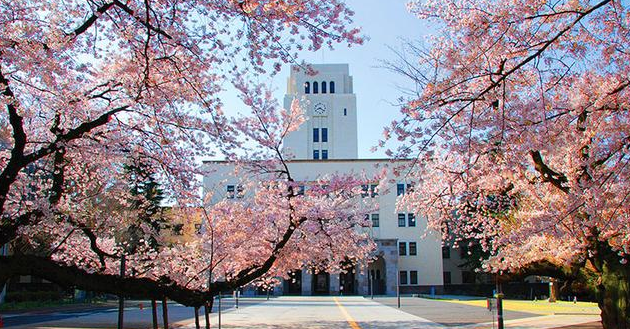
[{"x": 327, "y": 143}]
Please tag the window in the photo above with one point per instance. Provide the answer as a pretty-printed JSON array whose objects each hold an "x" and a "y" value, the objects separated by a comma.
[
  {"x": 323, "y": 87},
  {"x": 240, "y": 191},
  {"x": 316, "y": 154},
  {"x": 301, "y": 190},
  {"x": 373, "y": 192},
  {"x": 230, "y": 192},
  {"x": 364, "y": 190},
  {"x": 400, "y": 189},
  {"x": 307, "y": 87},
  {"x": 447, "y": 277},
  {"x": 198, "y": 228},
  {"x": 375, "y": 220},
  {"x": 315, "y": 135},
  {"x": 413, "y": 277},
  {"x": 468, "y": 277},
  {"x": 324, "y": 154},
  {"x": 446, "y": 252},
  {"x": 401, "y": 220},
  {"x": 411, "y": 219},
  {"x": 324, "y": 135},
  {"x": 402, "y": 248},
  {"x": 315, "y": 87},
  {"x": 403, "y": 277},
  {"x": 413, "y": 249},
  {"x": 332, "y": 87},
  {"x": 345, "y": 112}
]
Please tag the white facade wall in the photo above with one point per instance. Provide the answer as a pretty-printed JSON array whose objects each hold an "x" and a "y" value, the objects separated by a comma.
[{"x": 337, "y": 112}]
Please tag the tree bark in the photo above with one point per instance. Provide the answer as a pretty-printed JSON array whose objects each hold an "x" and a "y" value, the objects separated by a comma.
[{"x": 613, "y": 291}]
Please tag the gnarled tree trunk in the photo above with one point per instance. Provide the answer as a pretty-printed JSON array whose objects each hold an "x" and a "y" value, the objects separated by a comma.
[{"x": 613, "y": 288}]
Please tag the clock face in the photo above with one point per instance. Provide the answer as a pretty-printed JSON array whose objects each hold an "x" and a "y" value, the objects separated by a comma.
[{"x": 319, "y": 109}]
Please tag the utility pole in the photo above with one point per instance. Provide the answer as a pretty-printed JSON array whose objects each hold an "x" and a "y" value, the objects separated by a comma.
[{"x": 121, "y": 298}]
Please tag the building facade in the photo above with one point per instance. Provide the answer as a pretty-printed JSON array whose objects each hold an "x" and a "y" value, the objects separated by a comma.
[{"x": 407, "y": 254}]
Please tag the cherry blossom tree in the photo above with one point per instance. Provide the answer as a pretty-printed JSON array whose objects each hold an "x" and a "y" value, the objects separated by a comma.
[
  {"x": 527, "y": 100},
  {"x": 88, "y": 85}
]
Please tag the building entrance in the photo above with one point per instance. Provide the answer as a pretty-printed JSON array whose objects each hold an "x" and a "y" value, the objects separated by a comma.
[
  {"x": 321, "y": 284},
  {"x": 376, "y": 279},
  {"x": 294, "y": 283},
  {"x": 347, "y": 282}
]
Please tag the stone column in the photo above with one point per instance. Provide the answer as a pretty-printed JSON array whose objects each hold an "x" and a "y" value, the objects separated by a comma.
[
  {"x": 307, "y": 278},
  {"x": 363, "y": 282},
  {"x": 334, "y": 283}
]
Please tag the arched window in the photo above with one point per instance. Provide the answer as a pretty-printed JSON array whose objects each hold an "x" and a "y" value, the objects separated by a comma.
[
  {"x": 307, "y": 87},
  {"x": 315, "y": 87},
  {"x": 332, "y": 87},
  {"x": 323, "y": 87}
]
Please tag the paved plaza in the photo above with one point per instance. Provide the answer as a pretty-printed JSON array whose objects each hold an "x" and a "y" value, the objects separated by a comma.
[{"x": 328, "y": 312}]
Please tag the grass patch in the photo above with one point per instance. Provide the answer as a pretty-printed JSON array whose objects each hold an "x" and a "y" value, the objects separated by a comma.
[{"x": 539, "y": 307}]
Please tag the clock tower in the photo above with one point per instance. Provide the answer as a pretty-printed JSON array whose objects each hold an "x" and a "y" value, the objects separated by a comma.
[{"x": 329, "y": 103}]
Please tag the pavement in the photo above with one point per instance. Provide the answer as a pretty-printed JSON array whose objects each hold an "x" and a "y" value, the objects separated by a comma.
[{"x": 311, "y": 312}]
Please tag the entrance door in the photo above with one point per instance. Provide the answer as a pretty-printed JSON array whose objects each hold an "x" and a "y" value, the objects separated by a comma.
[
  {"x": 347, "y": 284},
  {"x": 321, "y": 284},
  {"x": 294, "y": 286}
]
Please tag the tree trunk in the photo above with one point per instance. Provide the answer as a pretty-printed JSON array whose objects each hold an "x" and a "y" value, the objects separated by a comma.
[{"x": 613, "y": 293}]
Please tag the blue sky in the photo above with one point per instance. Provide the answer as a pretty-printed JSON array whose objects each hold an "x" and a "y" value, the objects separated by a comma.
[{"x": 385, "y": 22}]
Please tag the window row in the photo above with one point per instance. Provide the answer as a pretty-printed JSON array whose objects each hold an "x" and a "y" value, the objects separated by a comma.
[
  {"x": 235, "y": 191},
  {"x": 315, "y": 85},
  {"x": 369, "y": 190},
  {"x": 402, "y": 188},
  {"x": 408, "y": 220},
  {"x": 403, "y": 251},
  {"x": 316, "y": 135},
  {"x": 324, "y": 154},
  {"x": 408, "y": 278}
]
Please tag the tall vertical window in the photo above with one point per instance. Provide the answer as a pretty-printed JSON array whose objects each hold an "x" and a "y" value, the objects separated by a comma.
[
  {"x": 403, "y": 277},
  {"x": 332, "y": 87},
  {"x": 413, "y": 277},
  {"x": 400, "y": 189},
  {"x": 402, "y": 248},
  {"x": 315, "y": 87},
  {"x": 315, "y": 135},
  {"x": 373, "y": 192},
  {"x": 316, "y": 154},
  {"x": 376, "y": 220},
  {"x": 446, "y": 252},
  {"x": 240, "y": 191},
  {"x": 301, "y": 190},
  {"x": 364, "y": 190},
  {"x": 413, "y": 249},
  {"x": 345, "y": 111},
  {"x": 323, "y": 87},
  {"x": 447, "y": 277},
  {"x": 324, "y": 135},
  {"x": 307, "y": 87},
  {"x": 401, "y": 220},
  {"x": 324, "y": 154},
  {"x": 230, "y": 192},
  {"x": 411, "y": 220}
]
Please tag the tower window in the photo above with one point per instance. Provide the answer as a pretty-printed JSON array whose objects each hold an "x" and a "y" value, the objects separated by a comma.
[
  {"x": 324, "y": 154},
  {"x": 323, "y": 87},
  {"x": 315, "y": 135},
  {"x": 316, "y": 154},
  {"x": 307, "y": 87},
  {"x": 332, "y": 87},
  {"x": 345, "y": 111},
  {"x": 324, "y": 135},
  {"x": 315, "y": 87}
]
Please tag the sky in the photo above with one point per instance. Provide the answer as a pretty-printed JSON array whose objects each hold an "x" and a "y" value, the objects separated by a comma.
[{"x": 386, "y": 23}]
